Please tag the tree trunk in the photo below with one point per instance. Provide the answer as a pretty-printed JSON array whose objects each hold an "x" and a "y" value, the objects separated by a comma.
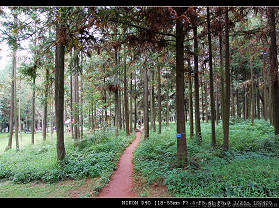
[
  {"x": 45, "y": 105},
  {"x": 71, "y": 105},
  {"x": 221, "y": 75},
  {"x": 81, "y": 100},
  {"x": 116, "y": 99},
  {"x": 33, "y": 111},
  {"x": 226, "y": 117},
  {"x": 273, "y": 69},
  {"x": 12, "y": 103},
  {"x": 179, "y": 98},
  {"x": 145, "y": 107},
  {"x": 15, "y": 110},
  {"x": 51, "y": 111},
  {"x": 135, "y": 101},
  {"x": 252, "y": 94},
  {"x": 196, "y": 86},
  {"x": 202, "y": 96},
  {"x": 153, "y": 112},
  {"x": 59, "y": 92},
  {"x": 167, "y": 107},
  {"x": 191, "y": 123},
  {"x": 131, "y": 102},
  {"x": 159, "y": 100},
  {"x": 126, "y": 104},
  {"x": 212, "y": 104}
]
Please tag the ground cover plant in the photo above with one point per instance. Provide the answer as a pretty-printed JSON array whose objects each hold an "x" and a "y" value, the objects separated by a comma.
[
  {"x": 96, "y": 156},
  {"x": 249, "y": 169}
]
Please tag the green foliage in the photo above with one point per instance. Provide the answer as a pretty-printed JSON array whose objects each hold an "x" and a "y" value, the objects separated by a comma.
[
  {"x": 248, "y": 169},
  {"x": 95, "y": 156}
]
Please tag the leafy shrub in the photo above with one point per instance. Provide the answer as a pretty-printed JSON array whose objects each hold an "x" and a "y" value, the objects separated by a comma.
[{"x": 250, "y": 167}]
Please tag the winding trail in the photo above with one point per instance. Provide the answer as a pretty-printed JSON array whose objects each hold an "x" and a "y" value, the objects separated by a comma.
[{"x": 121, "y": 181}]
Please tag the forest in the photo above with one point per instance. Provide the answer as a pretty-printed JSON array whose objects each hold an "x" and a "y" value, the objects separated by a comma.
[{"x": 192, "y": 91}]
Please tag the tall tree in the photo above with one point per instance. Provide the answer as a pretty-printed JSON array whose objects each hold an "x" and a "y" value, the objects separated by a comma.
[
  {"x": 59, "y": 87},
  {"x": 180, "y": 116},
  {"x": 212, "y": 104},
  {"x": 226, "y": 113},
  {"x": 196, "y": 86},
  {"x": 126, "y": 97},
  {"x": 159, "y": 99},
  {"x": 145, "y": 98},
  {"x": 271, "y": 11}
]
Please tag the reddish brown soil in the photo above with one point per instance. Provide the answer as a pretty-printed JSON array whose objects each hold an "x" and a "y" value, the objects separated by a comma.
[{"x": 121, "y": 182}]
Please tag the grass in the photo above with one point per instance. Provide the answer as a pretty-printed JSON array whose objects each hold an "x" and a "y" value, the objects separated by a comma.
[
  {"x": 95, "y": 157},
  {"x": 249, "y": 169}
]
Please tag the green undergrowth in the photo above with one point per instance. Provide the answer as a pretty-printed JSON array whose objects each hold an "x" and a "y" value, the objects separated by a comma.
[
  {"x": 250, "y": 168},
  {"x": 96, "y": 156}
]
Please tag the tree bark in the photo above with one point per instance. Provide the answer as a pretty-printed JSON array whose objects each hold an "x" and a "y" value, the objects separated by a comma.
[
  {"x": 12, "y": 108},
  {"x": 116, "y": 99},
  {"x": 81, "y": 100},
  {"x": 145, "y": 107},
  {"x": 126, "y": 99},
  {"x": 196, "y": 86},
  {"x": 271, "y": 12},
  {"x": 131, "y": 102},
  {"x": 191, "y": 122},
  {"x": 33, "y": 111},
  {"x": 45, "y": 104},
  {"x": 59, "y": 92},
  {"x": 153, "y": 111},
  {"x": 226, "y": 116},
  {"x": 159, "y": 100},
  {"x": 212, "y": 104},
  {"x": 179, "y": 99}
]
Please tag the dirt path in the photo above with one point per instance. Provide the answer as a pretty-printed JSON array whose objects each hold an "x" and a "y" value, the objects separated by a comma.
[{"x": 121, "y": 182}]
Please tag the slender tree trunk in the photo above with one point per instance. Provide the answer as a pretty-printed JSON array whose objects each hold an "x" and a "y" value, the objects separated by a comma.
[
  {"x": 196, "y": 86},
  {"x": 167, "y": 107},
  {"x": 271, "y": 12},
  {"x": 81, "y": 98},
  {"x": 232, "y": 102},
  {"x": 159, "y": 100},
  {"x": 191, "y": 122},
  {"x": 78, "y": 105},
  {"x": 202, "y": 98},
  {"x": 116, "y": 100},
  {"x": 238, "y": 112},
  {"x": 226, "y": 117},
  {"x": 12, "y": 104},
  {"x": 179, "y": 99},
  {"x": 265, "y": 92},
  {"x": 71, "y": 105},
  {"x": 131, "y": 100},
  {"x": 15, "y": 111},
  {"x": 212, "y": 104},
  {"x": 258, "y": 104},
  {"x": 135, "y": 101},
  {"x": 126, "y": 104},
  {"x": 51, "y": 111},
  {"x": 153, "y": 101},
  {"x": 59, "y": 92},
  {"x": 146, "y": 113},
  {"x": 81, "y": 106},
  {"x": 205, "y": 101},
  {"x": 252, "y": 95},
  {"x": 19, "y": 117},
  {"x": 45, "y": 105},
  {"x": 33, "y": 111},
  {"x": 221, "y": 74}
]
